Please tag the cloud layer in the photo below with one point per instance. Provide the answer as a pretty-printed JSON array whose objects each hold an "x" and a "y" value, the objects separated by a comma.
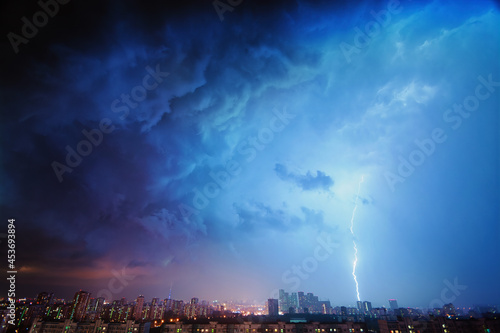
[{"x": 203, "y": 178}]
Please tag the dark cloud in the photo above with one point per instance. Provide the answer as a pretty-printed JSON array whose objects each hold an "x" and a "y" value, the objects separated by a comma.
[
  {"x": 120, "y": 205},
  {"x": 307, "y": 182},
  {"x": 255, "y": 217}
]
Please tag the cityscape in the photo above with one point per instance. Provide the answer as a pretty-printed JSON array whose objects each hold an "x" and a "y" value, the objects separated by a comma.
[
  {"x": 297, "y": 311},
  {"x": 250, "y": 166}
]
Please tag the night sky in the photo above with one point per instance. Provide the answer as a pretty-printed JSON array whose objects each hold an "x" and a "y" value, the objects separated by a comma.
[{"x": 219, "y": 149}]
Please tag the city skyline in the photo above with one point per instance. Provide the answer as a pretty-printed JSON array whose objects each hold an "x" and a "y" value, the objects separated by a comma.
[
  {"x": 391, "y": 304},
  {"x": 85, "y": 313},
  {"x": 229, "y": 149}
]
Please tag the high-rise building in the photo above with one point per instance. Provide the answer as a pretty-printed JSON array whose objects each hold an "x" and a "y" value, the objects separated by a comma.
[
  {"x": 309, "y": 297},
  {"x": 139, "y": 304},
  {"x": 79, "y": 307},
  {"x": 95, "y": 304},
  {"x": 153, "y": 309},
  {"x": 191, "y": 309},
  {"x": 302, "y": 299},
  {"x": 283, "y": 301},
  {"x": 367, "y": 307},
  {"x": 293, "y": 301},
  {"x": 177, "y": 307},
  {"x": 326, "y": 307},
  {"x": 393, "y": 303},
  {"x": 359, "y": 304},
  {"x": 343, "y": 311},
  {"x": 94, "y": 308},
  {"x": 272, "y": 307}
]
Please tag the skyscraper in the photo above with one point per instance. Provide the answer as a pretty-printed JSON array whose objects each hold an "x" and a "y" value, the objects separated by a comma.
[
  {"x": 191, "y": 310},
  {"x": 177, "y": 307},
  {"x": 367, "y": 307},
  {"x": 94, "y": 308},
  {"x": 302, "y": 299},
  {"x": 139, "y": 304},
  {"x": 153, "y": 309},
  {"x": 272, "y": 306},
  {"x": 393, "y": 304},
  {"x": 360, "y": 306},
  {"x": 283, "y": 301},
  {"x": 79, "y": 307},
  {"x": 293, "y": 301},
  {"x": 343, "y": 311}
]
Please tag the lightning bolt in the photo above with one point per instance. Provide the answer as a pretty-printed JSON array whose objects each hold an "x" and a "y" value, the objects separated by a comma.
[{"x": 354, "y": 242}]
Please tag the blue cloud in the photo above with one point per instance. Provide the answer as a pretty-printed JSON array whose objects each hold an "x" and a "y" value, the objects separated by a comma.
[{"x": 307, "y": 182}]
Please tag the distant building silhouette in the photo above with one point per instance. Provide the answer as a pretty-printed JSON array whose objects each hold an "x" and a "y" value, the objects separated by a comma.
[
  {"x": 367, "y": 307},
  {"x": 283, "y": 301},
  {"x": 449, "y": 309},
  {"x": 360, "y": 306},
  {"x": 44, "y": 298},
  {"x": 273, "y": 308},
  {"x": 287, "y": 301},
  {"x": 393, "y": 303}
]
